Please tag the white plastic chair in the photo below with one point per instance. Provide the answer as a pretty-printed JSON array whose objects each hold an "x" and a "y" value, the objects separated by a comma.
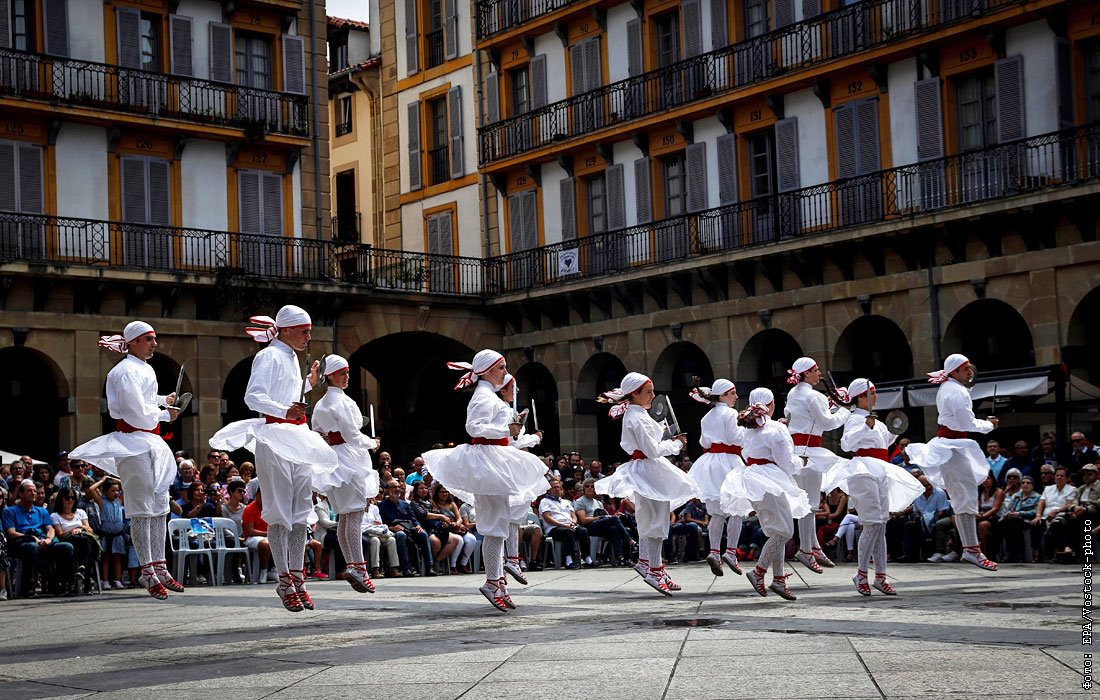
[
  {"x": 180, "y": 544},
  {"x": 227, "y": 540}
]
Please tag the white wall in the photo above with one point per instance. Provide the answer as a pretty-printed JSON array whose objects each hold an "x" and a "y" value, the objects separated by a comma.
[
  {"x": 81, "y": 154},
  {"x": 552, "y": 174},
  {"x": 296, "y": 194},
  {"x": 202, "y": 13},
  {"x": 707, "y": 131},
  {"x": 813, "y": 149},
  {"x": 375, "y": 22},
  {"x": 1035, "y": 42},
  {"x": 203, "y": 184},
  {"x": 86, "y": 40},
  {"x": 359, "y": 48},
  {"x": 469, "y": 221},
  {"x": 618, "y": 60},
  {"x": 903, "y": 111},
  {"x": 550, "y": 45}
]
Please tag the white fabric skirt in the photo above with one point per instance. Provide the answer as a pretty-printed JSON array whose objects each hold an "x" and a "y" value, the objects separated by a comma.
[
  {"x": 293, "y": 443},
  {"x": 954, "y": 464},
  {"x": 352, "y": 483},
  {"x": 144, "y": 463},
  {"x": 654, "y": 478},
  {"x": 488, "y": 470},
  {"x": 817, "y": 458},
  {"x": 901, "y": 487},
  {"x": 708, "y": 473},
  {"x": 744, "y": 488}
]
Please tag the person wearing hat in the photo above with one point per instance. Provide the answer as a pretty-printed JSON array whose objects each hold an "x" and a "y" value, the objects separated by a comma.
[
  {"x": 766, "y": 486},
  {"x": 952, "y": 460},
  {"x": 135, "y": 451},
  {"x": 289, "y": 456},
  {"x": 489, "y": 469},
  {"x": 721, "y": 437},
  {"x": 517, "y": 519},
  {"x": 810, "y": 415},
  {"x": 649, "y": 480},
  {"x": 876, "y": 487},
  {"x": 339, "y": 422}
]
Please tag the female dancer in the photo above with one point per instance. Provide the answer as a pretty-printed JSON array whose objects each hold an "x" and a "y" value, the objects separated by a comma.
[
  {"x": 648, "y": 479},
  {"x": 518, "y": 512},
  {"x": 721, "y": 438},
  {"x": 809, "y": 415},
  {"x": 339, "y": 420},
  {"x": 877, "y": 487},
  {"x": 488, "y": 469},
  {"x": 766, "y": 484}
]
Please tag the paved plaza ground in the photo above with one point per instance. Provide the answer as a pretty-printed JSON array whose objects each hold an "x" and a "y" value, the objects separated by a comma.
[{"x": 597, "y": 634}]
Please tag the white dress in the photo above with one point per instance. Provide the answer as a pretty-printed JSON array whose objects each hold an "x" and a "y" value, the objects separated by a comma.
[
  {"x": 954, "y": 464},
  {"x": 767, "y": 485},
  {"x": 355, "y": 480},
  {"x": 876, "y": 487},
  {"x": 141, "y": 459},
  {"x": 498, "y": 476},
  {"x": 719, "y": 428},
  {"x": 809, "y": 414}
]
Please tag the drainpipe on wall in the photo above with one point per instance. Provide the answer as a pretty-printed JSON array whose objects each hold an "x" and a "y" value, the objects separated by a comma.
[{"x": 316, "y": 138}]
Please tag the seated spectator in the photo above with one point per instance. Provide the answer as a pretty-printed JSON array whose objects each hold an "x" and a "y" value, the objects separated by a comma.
[
  {"x": 593, "y": 517},
  {"x": 186, "y": 477},
  {"x": 1082, "y": 451},
  {"x": 32, "y": 539},
  {"x": 43, "y": 475},
  {"x": 830, "y": 513},
  {"x": 385, "y": 460},
  {"x": 255, "y": 534},
  {"x": 1054, "y": 507},
  {"x": 398, "y": 473},
  {"x": 196, "y": 504},
  {"x": 990, "y": 500},
  {"x": 1021, "y": 518},
  {"x": 247, "y": 470},
  {"x": 1020, "y": 459},
  {"x": 926, "y": 515},
  {"x": 325, "y": 531},
  {"x": 1087, "y": 506},
  {"x": 400, "y": 518},
  {"x": 15, "y": 476},
  {"x": 71, "y": 525},
  {"x": 314, "y": 555},
  {"x": 595, "y": 470},
  {"x": 689, "y": 521},
  {"x": 443, "y": 502},
  {"x": 559, "y": 521},
  {"x": 435, "y": 523},
  {"x": 996, "y": 461},
  {"x": 111, "y": 529},
  {"x": 376, "y": 536},
  {"x": 1047, "y": 454},
  {"x": 64, "y": 476},
  {"x": 561, "y": 466},
  {"x": 898, "y": 456},
  {"x": 233, "y": 508},
  {"x": 849, "y": 526},
  {"x": 232, "y": 473}
]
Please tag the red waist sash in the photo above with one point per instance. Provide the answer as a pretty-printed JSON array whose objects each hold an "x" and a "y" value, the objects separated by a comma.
[
  {"x": 945, "y": 432},
  {"x": 723, "y": 449},
  {"x": 638, "y": 454},
  {"x": 502, "y": 442},
  {"x": 124, "y": 427},
  {"x": 334, "y": 438},
  {"x": 807, "y": 440},
  {"x": 873, "y": 452},
  {"x": 756, "y": 460},
  {"x": 272, "y": 419}
]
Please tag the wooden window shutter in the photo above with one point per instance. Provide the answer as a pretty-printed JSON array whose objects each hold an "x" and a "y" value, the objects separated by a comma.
[
  {"x": 568, "y": 194},
  {"x": 529, "y": 202},
  {"x": 515, "y": 222},
  {"x": 55, "y": 15},
  {"x": 812, "y": 8},
  {"x": 492, "y": 98},
  {"x": 616, "y": 197},
  {"x": 635, "y": 62},
  {"x": 414, "y": 146},
  {"x": 412, "y": 39},
  {"x": 929, "y": 119},
  {"x": 538, "y": 81},
  {"x": 221, "y": 53},
  {"x": 643, "y": 199},
  {"x": 844, "y": 123},
  {"x": 180, "y": 32},
  {"x": 695, "y": 162},
  {"x": 784, "y": 13},
  {"x": 786, "y": 155},
  {"x": 454, "y": 117},
  {"x": 692, "y": 15},
  {"x": 867, "y": 136},
  {"x": 128, "y": 24},
  {"x": 5, "y": 25},
  {"x": 727, "y": 169},
  {"x": 294, "y": 65},
  {"x": 1063, "y": 58},
  {"x": 1008, "y": 73},
  {"x": 450, "y": 29},
  {"x": 719, "y": 24},
  {"x": 576, "y": 68}
]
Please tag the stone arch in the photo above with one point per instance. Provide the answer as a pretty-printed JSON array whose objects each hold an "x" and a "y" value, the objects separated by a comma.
[
  {"x": 1084, "y": 338},
  {"x": 600, "y": 372},
  {"x": 764, "y": 361},
  {"x": 535, "y": 383},
  {"x": 874, "y": 347},
  {"x": 992, "y": 334},
  {"x": 36, "y": 399},
  {"x": 680, "y": 367}
]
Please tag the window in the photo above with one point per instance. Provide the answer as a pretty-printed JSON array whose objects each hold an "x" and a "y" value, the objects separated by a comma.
[
  {"x": 434, "y": 130},
  {"x": 339, "y": 56},
  {"x": 437, "y": 140},
  {"x": 597, "y": 205},
  {"x": 21, "y": 191},
  {"x": 434, "y": 35},
  {"x": 150, "y": 42},
  {"x": 761, "y": 164},
  {"x": 441, "y": 270},
  {"x": 22, "y": 25},
  {"x": 756, "y": 18},
  {"x": 668, "y": 39},
  {"x": 147, "y": 202},
  {"x": 975, "y": 98},
  {"x": 673, "y": 175},
  {"x": 262, "y": 248},
  {"x": 343, "y": 114},
  {"x": 521, "y": 91},
  {"x": 345, "y": 225},
  {"x": 1092, "y": 81},
  {"x": 253, "y": 61}
]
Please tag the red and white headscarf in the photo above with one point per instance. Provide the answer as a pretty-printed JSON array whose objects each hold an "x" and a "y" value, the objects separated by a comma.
[
  {"x": 334, "y": 363},
  {"x": 859, "y": 387},
  {"x": 759, "y": 400},
  {"x": 630, "y": 384},
  {"x": 710, "y": 394},
  {"x": 952, "y": 363},
  {"x": 483, "y": 362},
  {"x": 264, "y": 329},
  {"x": 132, "y": 331},
  {"x": 800, "y": 366}
]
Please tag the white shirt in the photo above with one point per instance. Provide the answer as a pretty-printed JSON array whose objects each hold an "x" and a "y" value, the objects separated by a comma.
[
  {"x": 560, "y": 510},
  {"x": 487, "y": 416},
  {"x": 809, "y": 412},
  {"x": 276, "y": 380},
  {"x": 1055, "y": 499},
  {"x": 858, "y": 436},
  {"x": 65, "y": 524},
  {"x": 132, "y": 394},
  {"x": 720, "y": 426},
  {"x": 371, "y": 517},
  {"x": 524, "y": 441},
  {"x": 643, "y": 434},
  {"x": 772, "y": 442},
  {"x": 956, "y": 409},
  {"x": 337, "y": 412}
]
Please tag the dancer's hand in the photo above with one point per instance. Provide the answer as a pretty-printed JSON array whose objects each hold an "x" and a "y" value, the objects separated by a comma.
[
  {"x": 995, "y": 421},
  {"x": 173, "y": 414},
  {"x": 297, "y": 411},
  {"x": 870, "y": 421},
  {"x": 314, "y": 373},
  {"x": 170, "y": 400},
  {"x": 513, "y": 429}
]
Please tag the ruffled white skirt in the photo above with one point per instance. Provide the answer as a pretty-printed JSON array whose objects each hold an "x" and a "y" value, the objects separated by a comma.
[
  {"x": 144, "y": 463},
  {"x": 709, "y": 472},
  {"x": 488, "y": 470},
  {"x": 654, "y": 478},
  {"x": 293, "y": 443},
  {"x": 954, "y": 464},
  {"x": 901, "y": 487},
  {"x": 348, "y": 487},
  {"x": 745, "y": 487},
  {"x": 818, "y": 459}
]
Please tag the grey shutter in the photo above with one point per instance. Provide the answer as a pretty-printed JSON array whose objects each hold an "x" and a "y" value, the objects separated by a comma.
[
  {"x": 635, "y": 62},
  {"x": 929, "y": 116},
  {"x": 844, "y": 123},
  {"x": 516, "y": 234},
  {"x": 274, "y": 252},
  {"x": 128, "y": 21},
  {"x": 784, "y": 13},
  {"x": 180, "y": 30},
  {"x": 1063, "y": 61},
  {"x": 727, "y": 169},
  {"x": 450, "y": 29},
  {"x": 55, "y": 15},
  {"x": 134, "y": 210},
  {"x": 692, "y": 15},
  {"x": 643, "y": 201},
  {"x": 1008, "y": 73},
  {"x": 592, "y": 66},
  {"x": 568, "y": 209},
  {"x": 695, "y": 162},
  {"x": 867, "y": 136},
  {"x": 414, "y": 146},
  {"x": 446, "y": 234},
  {"x": 294, "y": 64},
  {"x": 576, "y": 68},
  {"x": 786, "y": 154},
  {"x": 530, "y": 219},
  {"x": 412, "y": 38},
  {"x": 30, "y": 179},
  {"x": 492, "y": 98},
  {"x": 5, "y": 25},
  {"x": 539, "y": 96},
  {"x": 812, "y": 8},
  {"x": 221, "y": 53},
  {"x": 248, "y": 189},
  {"x": 158, "y": 243},
  {"x": 9, "y": 232},
  {"x": 454, "y": 116},
  {"x": 719, "y": 24},
  {"x": 616, "y": 197},
  {"x": 433, "y": 235}
]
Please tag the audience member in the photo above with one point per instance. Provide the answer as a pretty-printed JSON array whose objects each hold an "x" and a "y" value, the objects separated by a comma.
[
  {"x": 1020, "y": 459},
  {"x": 1082, "y": 451},
  {"x": 996, "y": 461},
  {"x": 593, "y": 517},
  {"x": 400, "y": 518},
  {"x": 690, "y": 522},
  {"x": 925, "y": 515},
  {"x": 71, "y": 525},
  {"x": 1054, "y": 507},
  {"x": 255, "y": 534},
  {"x": 1022, "y": 518},
  {"x": 443, "y": 502},
  {"x": 376, "y": 536},
  {"x": 32, "y": 539},
  {"x": 560, "y": 523},
  {"x": 111, "y": 529},
  {"x": 435, "y": 522},
  {"x": 1087, "y": 508},
  {"x": 990, "y": 500}
]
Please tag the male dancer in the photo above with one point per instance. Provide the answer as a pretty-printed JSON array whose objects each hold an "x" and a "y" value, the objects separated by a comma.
[
  {"x": 517, "y": 512},
  {"x": 136, "y": 453}
]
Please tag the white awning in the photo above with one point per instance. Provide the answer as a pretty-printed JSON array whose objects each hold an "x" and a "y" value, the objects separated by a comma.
[
  {"x": 1026, "y": 386},
  {"x": 9, "y": 457},
  {"x": 887, "y": 399}
]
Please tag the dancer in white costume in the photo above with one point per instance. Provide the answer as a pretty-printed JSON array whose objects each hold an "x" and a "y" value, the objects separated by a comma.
[
  {"x": 136, "y": 453},
  {"x": 339, "y": 422},
  {"x": 875, "y": 487},
  {"x": 766, "y": 484},
  {"x": 809, "y": 414},
  {"x": 722, "y": 439},
  {"x": 953, "y": 461},
  {"x": 289, "y": 456},
  {"x": 489, "y": 470},
  {"x": 649, "y": 480},
  {"x": 517, "y": 515}
]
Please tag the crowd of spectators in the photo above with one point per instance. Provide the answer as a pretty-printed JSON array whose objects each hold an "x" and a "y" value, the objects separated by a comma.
[{"x": 66, "y": 522}]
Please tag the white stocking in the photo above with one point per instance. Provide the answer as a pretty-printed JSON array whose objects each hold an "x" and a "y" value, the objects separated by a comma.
[
  {"x": 140, "y": 527},
  {"x": 880, "y": 549},
  {"x": 349, "y": 532},
  {"x": 656, "y": 552},
  {"x": 867, "y": 546},
  {"x": 968, "y": 529},
  {"x": 716, "y": 527},
  {"x": 296, "y": 548},
  {"x": 492, "y": 551},
  {"x": 511, "y": 545},
  {"x": 733, "y": 532},
  {"x": 277, "y": 538},
  {"x": 807, "y": 533}
]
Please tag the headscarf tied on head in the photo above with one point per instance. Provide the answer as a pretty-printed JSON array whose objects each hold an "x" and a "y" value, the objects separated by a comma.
[
  {"x": 709, "y": 394},
  {"x": 132, "y": 331},
  {"x": 334, "y": 363},
  {"x": 800, "y": 366},
  {"x": 483, "y": 362},
  {"x": 952, "y": 363},
  {"x": 631, "y": 383},
  {"x": 858, "y": 387},
  {"x": 759, "y": 399},
  {"x": 264, "y": 329}
]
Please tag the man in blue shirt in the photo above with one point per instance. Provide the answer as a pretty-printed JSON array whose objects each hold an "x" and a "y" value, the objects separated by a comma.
[
  {"x": 996, "y": 461},
  {"x": 399, "y": 517},
  {"x": 31, "y": 535},
  {"x": 926, "y": 514}
]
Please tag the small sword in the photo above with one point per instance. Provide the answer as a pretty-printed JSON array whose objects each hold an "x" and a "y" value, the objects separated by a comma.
[
  {"x": 672, "y": 415},
  {"x": 181, "y": 399},
  {"x": 372, "y": 433},
  {"x": 535, "y": 414}
]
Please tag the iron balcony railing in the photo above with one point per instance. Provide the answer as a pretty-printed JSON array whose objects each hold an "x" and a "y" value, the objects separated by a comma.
[
  {"x": 106, "y": 87},
  {"x": 498, "y": 16},
  {"x": 842, "y": 32},
  {"x": 1058, "y": 159},
  {"x": 345, "y": 229},
  {"x": 436, "y": 50}
]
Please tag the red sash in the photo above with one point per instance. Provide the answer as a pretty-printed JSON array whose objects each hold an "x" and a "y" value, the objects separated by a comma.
[
  {"x": 273, "y": 419},
  {"x": 873, "y": 452},
  {"x": 756, "y": 460},
  {"x": 124, "y": 427},
  {"x": 806, "y": 440},
  {"x": 334, "y": 438},
  {"x": 502, "y": 442},
  {"x": 638, "y": 454},
  {"x": 722, "y": 449},
  {"x": 945, "y": 432}
]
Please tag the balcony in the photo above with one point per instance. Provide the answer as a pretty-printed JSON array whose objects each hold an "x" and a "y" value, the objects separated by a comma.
[
  {"x": 345, "y": 229},
  {"x": 836, "y": 34},
  {"x": 343, "y": 128},
  {"x": 436, "y": 50},
  {"x": 439, "y": 164},
  {"x": 495, "y": 17},
  {"x": 99, "y": 86}
]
